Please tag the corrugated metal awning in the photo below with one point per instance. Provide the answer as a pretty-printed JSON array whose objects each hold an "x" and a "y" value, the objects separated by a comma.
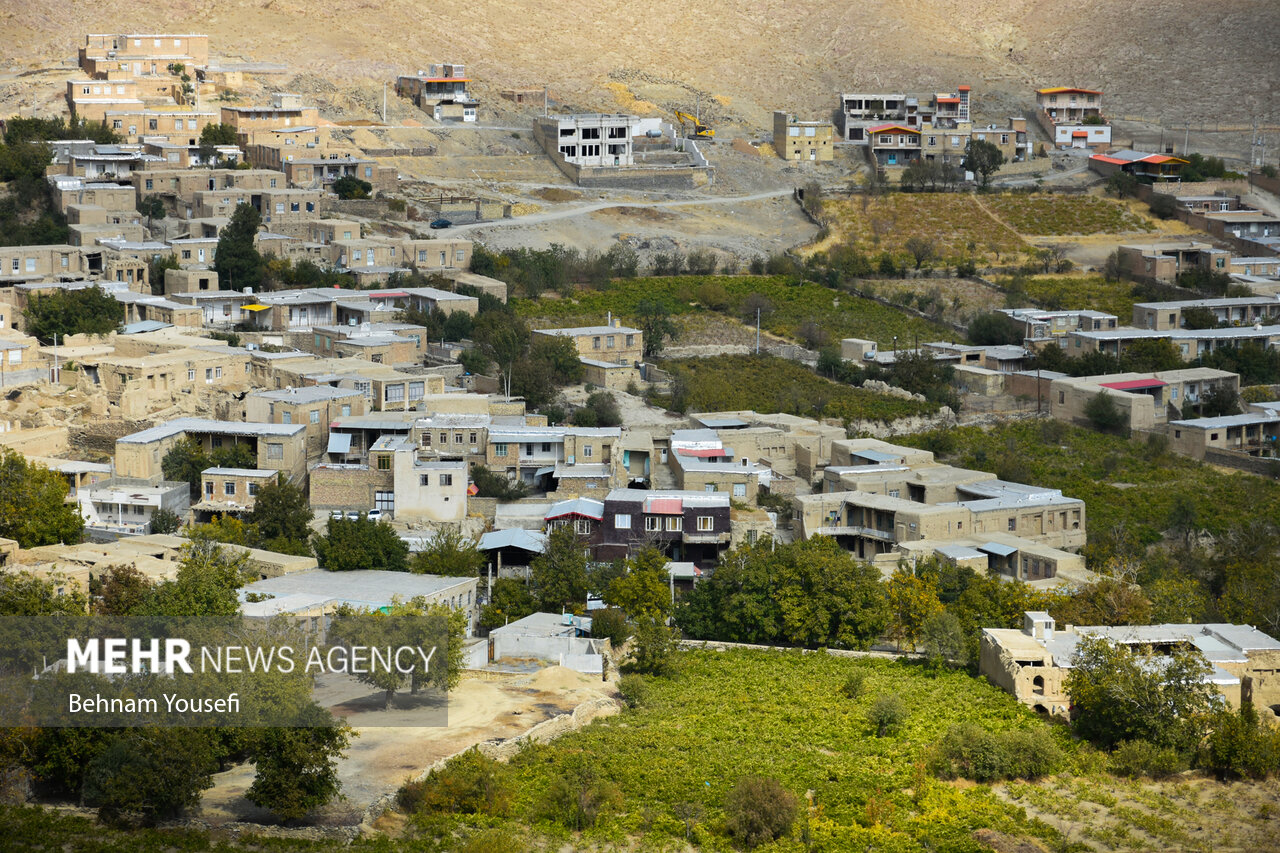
[{"x": 340, "y": 442}]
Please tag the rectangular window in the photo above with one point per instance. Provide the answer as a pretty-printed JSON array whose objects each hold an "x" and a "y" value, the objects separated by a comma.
[
  {"x": 217, "y": 372},
  {"x": 384, "y": 462},
  {"x": 191, "y": 375},
  {"x": 739, "y": 490},
  {"x": 253, "y": 489},
  {"x": 394, "y": 393},
  {"x": 208, "y": 374},
  {"x": 346, "y": 410},
  {"x": 315, "y": 416},
  {"x": 705, "y": 523},
  {"x": 608, "y": 342},
  {"x": 586, "y": 451},
  {"x": 652, "y": 522},
  {"x": 229, "y": 487},
  {"x": 675, "y": 523},
  {"x": 472, "y": 439},
  {"x": 1013, "y": 524},
  {"x": 595, "y": 341},
  {"x": 415, "y": 390},
  {"x": 446, "y": 479},
  {"x": 208, "y": 488},
  {"x": 275, "y": 451},
  {"x": 622, "y": 521},
  {"x": 286, "y": 417},
  {"x": 384, "y": 501},
  {"x": 499, "y": 450},
  {"x": 424, "y": 480}
]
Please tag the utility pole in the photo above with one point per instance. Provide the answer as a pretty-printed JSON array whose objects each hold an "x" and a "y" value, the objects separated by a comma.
[
  {"x": 1186, "y": 138},
  {"x": 384, "y": 101},
  {"x": 757, "y": 330}
]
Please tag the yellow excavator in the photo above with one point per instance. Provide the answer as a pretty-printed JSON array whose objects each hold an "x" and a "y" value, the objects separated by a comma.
[{"x": 700, "y": 130}]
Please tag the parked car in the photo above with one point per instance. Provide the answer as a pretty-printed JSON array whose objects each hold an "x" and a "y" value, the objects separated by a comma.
[
  {"x": 441, "y": 223},
  {"x": 337, "y": 515},
  {"x": 352, "y": 515},
  {"x": 374, "y": 515}
]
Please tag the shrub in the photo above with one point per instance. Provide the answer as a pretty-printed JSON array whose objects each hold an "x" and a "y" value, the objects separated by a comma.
[
  {"x": 1163, "y": 206},
  {"x": 610, "y": 624},
  {"x": 853, "y": 685},
  {"x": 1104, "y": 414},
  {"x": 1240, "y": 746},
  {"x": 971, "y": 752},
  {"x": 579, "y": 796},
  {"x": 1136, "y": 758},
  {"x": 472, "y": 783},
  {"x": 887, "y": 713},
  {"x": 759, "y": 810},
  {"x": 635, "y": 690}
]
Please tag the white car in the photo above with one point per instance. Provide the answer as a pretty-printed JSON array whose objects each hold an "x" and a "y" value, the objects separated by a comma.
[
  {"x": 374, "y": 515},
  {"x": 352, "y": 515},
  {"x": 337, "y": 515}
]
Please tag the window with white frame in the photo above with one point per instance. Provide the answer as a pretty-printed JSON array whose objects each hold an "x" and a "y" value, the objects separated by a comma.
[
  {"x": 446, "y": 479},
  {"x": 705, "y": 523},
  {"x": 652, "y": 522},
  {"x": 622, "y": 521},
  {"x": 275, "y": 451},
  {"x": 675, "y": 523}
]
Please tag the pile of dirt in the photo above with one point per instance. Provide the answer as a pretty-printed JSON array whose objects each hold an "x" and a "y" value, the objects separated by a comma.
[{"x": 554, "y": 679}]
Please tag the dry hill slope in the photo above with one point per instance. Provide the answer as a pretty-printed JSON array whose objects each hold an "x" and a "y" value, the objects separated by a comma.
[{"x": 1177, "y": 59}]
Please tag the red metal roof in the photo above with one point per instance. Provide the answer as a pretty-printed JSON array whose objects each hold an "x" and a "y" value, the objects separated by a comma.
[
  {"x": 1102, "y": 158},
  {"x": 702, "y": 452},
  {"x": 962, "y": 88},
  {"x": 1135, "y": 384},
  {"x": 664, "y": 506},
  {"x": 387, "y": 293},
  {"x": 882, "y": 128},
  {"x": 1076, "y": 133},
  {"x": 948, "y": 100}
]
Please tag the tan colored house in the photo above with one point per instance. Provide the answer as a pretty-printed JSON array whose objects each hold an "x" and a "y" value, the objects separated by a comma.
[
  {"x": 142, "y": 53},
  {"x": 277, "y": 447},
  {"x": 1073, "y": 117},
  {"x": 1255, "y": 433},
  {"x": 315, "y": 406},
  {"x": 1033, "y": 663},
  {"x": 1230, "y": 311},
  {"x": 803, "y": 141},
  {"x": 36, "y": 263},
  {"x": 229, "y": 491},
  {"x": 612, "y": 342},
  {"x": 1147, "y": 399},
  {"x": 1162, "y": 262},
  {"x": 888, "y": 496},
  {"x": 440, "y": 90},
  {"x": 285, "y": 110}
]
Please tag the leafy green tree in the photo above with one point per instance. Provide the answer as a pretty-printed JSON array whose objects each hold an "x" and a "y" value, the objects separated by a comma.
[
  {"x": 151, "y": 773},
  {"x": 1151, "y": 354},
  {"x": 1122, "y": 185},
  {"x": 491, "y": 485},
  {"x": 559, "y": 574},
  {"x": 1198, "y": 317},
  {"x": 352, "y": 544},
  {"x": 86, "y": 311},
  {"x": 121, "y": 591},
  {"x": 942, "y": 637},
  {"x": 227, "y": 529},
  {"x": 449, "y": 554},
  {"x": 204, "y": 589},
  {"x": 758, "y": 810},
  {"x": 33, "y": 508},
  {"x": 994, "y": 329},
  {"x": 1103, "y": 412},
  {"x": 578, "y": 796},
  {"x": 654, "y": 319},
  {"x": 164, "y": 521},
  {"x": 297, "y": 768},
  {"x": 983, "y": 159},
  {"x": 211, "y": 137},
  {"x": 349, "y": 186},
  {"x": 510, "y": 601},
  {"x": 184, "y": 463},
  {"x": 913, "y": 601},
  {"x": 644, "y": 592},
  {"x": 811, "y": 593},
  {"x": 236, "y": 260},
  {"x": 1222, "y": 399},
  {"x": 601, "y": 410},
  {"x": 152, "y": 207},
  {"x": 1240, "y": 746},
  {"x": 471, "y": 783},
  {"x": 1121, "y": 693},
  {"x": 1163, "y": 206},
  {"x": 653, "y": 648},
  {"x": 886, "y": 713},
  {"x": 282, "y": 514},
  {"x": 1106, "y": 601},
  {"x": 27, "y": 642}
]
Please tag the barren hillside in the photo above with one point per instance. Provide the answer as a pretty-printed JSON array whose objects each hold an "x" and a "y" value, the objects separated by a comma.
[{"x": 1178, "y": 60}]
